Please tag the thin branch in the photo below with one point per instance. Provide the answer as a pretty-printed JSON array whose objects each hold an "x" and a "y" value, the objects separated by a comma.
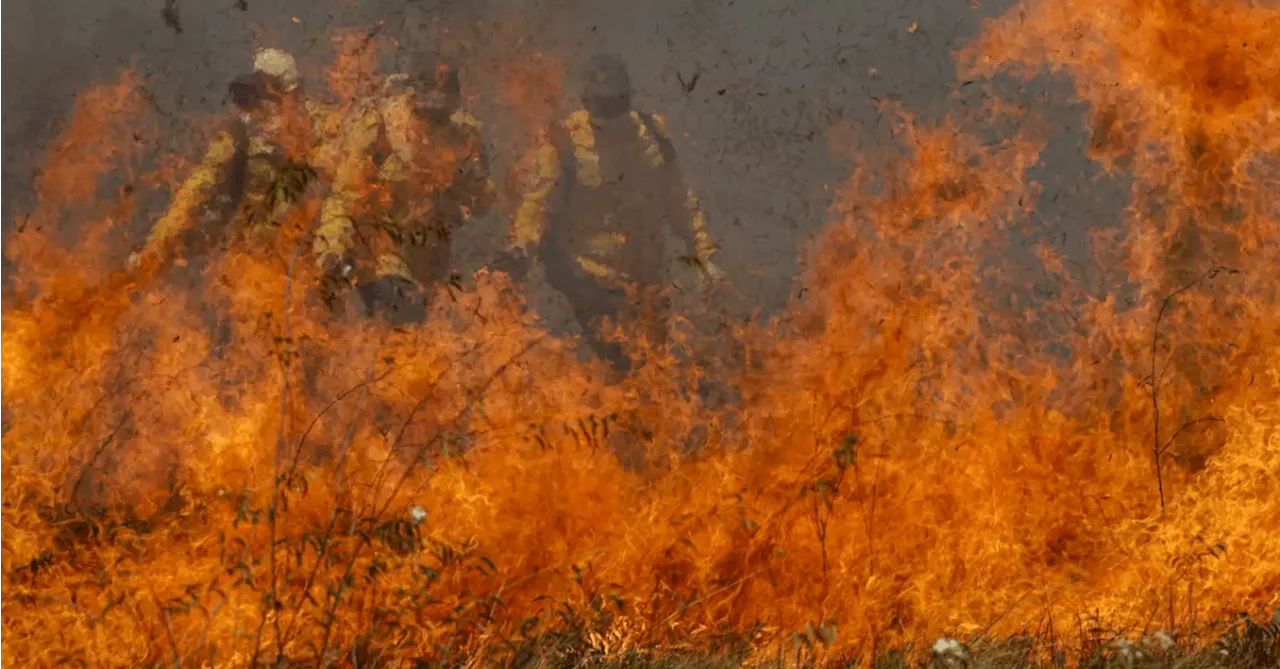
[
  {"x": 736, "y": 584},
  {"x": 1190, "y": 423},
  {"x": 363, "y": 385},
  {"x": 983, "y": 633},
  {"x": 1157, "y": 377},
  {"x": 173, "y": 644},
  {"x": 97, "y": 453},
  {"x": 333, "y": 515},
  {"x": 273, "y": 511},
  {"x": 365, "y": 538}
]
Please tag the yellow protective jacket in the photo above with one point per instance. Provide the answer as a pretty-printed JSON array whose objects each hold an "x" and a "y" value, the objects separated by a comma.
[
  {"x": 598, "y": 193},
  {"x": 399, "y": 183},
  {"x": 238, "y": 165}
]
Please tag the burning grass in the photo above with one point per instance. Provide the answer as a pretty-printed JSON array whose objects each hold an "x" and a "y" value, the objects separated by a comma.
[{"x": 905, "y": 460}]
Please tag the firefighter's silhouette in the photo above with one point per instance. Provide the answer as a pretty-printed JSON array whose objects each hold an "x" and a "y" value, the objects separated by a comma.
[
  {"x": 253, "y": 171},
  {"x": 602, "y": 186},
  {"x": 414, "y": 171}
]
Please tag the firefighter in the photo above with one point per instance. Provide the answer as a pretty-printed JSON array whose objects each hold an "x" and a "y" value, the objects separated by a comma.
[
  {"x": 255, "y": 168},
  {"x": 413, "y": 171},
  {"x": 602, "y": 185}
]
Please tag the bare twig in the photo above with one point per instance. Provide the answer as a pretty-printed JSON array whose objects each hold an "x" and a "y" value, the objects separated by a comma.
[
  {"x": 983, "y": 633},
  {"x": 173, "y": 643},
  {"x": 736, "y": 584},
  {"x": 363, "y": 385},
  {"x": 328, "y": 614},
  {"x": 273, "y": 511},
  {"x": 333, "y": 515},
  {"x": 97, "y": 453},
  {"x": 213, "y": 612},
  {"x": 1157, "y": 377},
  {"x": 1190, "y": 423}
]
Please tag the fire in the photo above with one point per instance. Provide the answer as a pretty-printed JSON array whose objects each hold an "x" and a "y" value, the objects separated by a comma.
[{"x": 909, "y": 456}]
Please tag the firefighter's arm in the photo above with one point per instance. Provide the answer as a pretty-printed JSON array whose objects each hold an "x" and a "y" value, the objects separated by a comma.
[
  {"x": 193, "y": 193},
  {"x": 530, "y": 221},
  {"x": 690, "y": 219},
  {"x": 701, "y": 247},
  {"x": 478, "y": 188},
  {"x": 335, "y": 236},
  {"x": 481, "y": 192},
  {"x": 487, "y": 192}
]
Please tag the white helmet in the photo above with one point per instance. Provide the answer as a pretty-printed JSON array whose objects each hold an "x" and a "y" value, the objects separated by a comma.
[{"x": 279, "y": 65}]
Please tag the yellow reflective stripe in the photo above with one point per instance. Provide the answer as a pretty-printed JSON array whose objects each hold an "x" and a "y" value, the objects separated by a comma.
[
  {"x": 599, "y": 270},
  {"x": 393, "y": 169},
  {"x": 259, "y": 146},
  {"x": 530, "y": 220},
  {"x": 262, "y": 231},
  {"x": 325, "y": 121},
  {"x": 650, "y": 144},
  {"x": 193, "y": 192},
  {"x": 659, "y": 123},
  {"x": 332, "y": 129},
  {"x": 396, "y": 114},
  {"x": 336, "y": 232},
  {"x": 703, "y": 245},
  {"x": 465, "y": 119},
  {"x": 259, "y": 168},
  {"x": 606, "y": 243},
  {"x": 584, "y": 148},
  {"x": 354, "y": 142},
  {"x": 326, "y": 130},
  {"x": 393, "y": 265}
]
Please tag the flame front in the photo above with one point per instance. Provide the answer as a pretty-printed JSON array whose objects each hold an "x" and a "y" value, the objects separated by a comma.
[{"x": 909, "y": 457}]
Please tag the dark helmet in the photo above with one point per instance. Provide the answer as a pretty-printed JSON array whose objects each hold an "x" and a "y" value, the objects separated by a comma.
[
  {"x": 249, "y": 92},
  {"x": 429, "y": 72},
  {"x": 606, "y": 85},
  {"x": 437, "y": 85},
  {"x": 446, "y": 92},
  {"x": 447, "y": 81}
]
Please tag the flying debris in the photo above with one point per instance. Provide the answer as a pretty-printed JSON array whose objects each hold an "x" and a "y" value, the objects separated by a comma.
[
  {"x": 687, "y": 87},
  {"x": 171, "y": 16}
]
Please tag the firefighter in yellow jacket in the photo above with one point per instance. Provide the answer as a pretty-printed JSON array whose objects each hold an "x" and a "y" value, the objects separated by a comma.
[
  {"x": 413, "y": 171},
  {"x": 603, "y": 184},
  {"x": 254, "y": 169}
]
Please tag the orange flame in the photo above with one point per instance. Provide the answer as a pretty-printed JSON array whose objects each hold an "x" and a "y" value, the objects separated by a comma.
[{"x": 905, "y": 461}]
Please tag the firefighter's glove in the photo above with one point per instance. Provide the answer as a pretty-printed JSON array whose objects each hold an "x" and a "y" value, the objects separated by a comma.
[
  {"x": 711, "y": 273},
  {"x": 515, "y": 263},
  {"x": 395, "y": 299},
  {"x": 336, "y": 277}
]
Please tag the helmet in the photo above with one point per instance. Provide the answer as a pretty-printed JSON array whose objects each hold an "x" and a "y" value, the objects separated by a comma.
[
  {"x": 606, "y": 76},
  {"x": 606, "y": 85},
  {"x": 278, "y": 66},
  {"x": 437, "y": 84},
  {"x": 249, "y": 91},
  {"x": 447, "y": 81},
  {"x": 446, "y": 90},
  {"x": 428, "y": 71}
]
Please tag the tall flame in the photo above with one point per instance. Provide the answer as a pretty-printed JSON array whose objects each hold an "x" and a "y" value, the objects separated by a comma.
[{"x": 906, "y": 458}]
